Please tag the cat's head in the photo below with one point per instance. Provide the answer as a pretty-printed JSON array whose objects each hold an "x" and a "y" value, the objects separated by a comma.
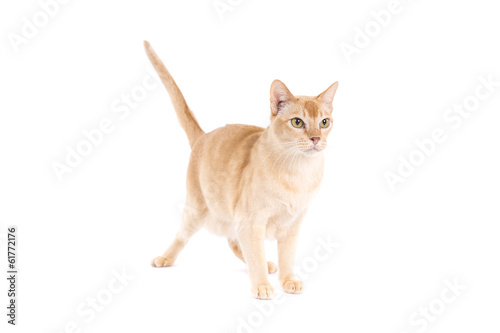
[{"x": 301, "y": 122}]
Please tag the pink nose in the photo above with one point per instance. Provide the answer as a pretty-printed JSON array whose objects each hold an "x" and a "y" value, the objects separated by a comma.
[{"x": 315, "y": 139}]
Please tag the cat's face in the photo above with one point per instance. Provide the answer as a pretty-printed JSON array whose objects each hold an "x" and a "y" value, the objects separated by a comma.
[{"x": 300, "y": 122}]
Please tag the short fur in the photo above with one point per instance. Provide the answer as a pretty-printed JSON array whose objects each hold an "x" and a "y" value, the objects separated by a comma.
[{"x": 248, "y": 183}]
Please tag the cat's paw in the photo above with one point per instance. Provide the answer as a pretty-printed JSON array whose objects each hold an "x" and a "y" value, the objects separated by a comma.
[
  {"x": 293, "y": 286},
  {"x": 271, "y": 267},
  {"x": 162, "y": 261},
  {"x": 263, "y": 291}
]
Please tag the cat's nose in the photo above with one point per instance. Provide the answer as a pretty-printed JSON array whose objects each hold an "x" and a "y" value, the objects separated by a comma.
[{"x": 315, "y": 139}]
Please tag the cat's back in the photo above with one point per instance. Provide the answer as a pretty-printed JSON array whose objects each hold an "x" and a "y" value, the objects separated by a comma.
[
  {"x": 235, "y": 132},
  {"x": 229, "y": 144}
]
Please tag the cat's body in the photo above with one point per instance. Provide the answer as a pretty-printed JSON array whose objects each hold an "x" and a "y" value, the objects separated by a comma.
[
  {"x": 230, "y": 169},
  {"x": 248, "y": 183}
]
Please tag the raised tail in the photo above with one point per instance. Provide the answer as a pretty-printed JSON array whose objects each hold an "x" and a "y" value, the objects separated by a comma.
[{"x": 184, "y": 114}]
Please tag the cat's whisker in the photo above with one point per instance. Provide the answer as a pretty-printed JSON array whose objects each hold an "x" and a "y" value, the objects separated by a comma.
[
  {"x": 274, "y": 150},
  {"x": 288, "y": 143},
  {"x": 282, "y": 155},
  {"x": 295, "y": 161},
  {"x": 279, "y": 147},
  {"x": 281, "y": 151},
  {"x": 290, "y": 152},
  {"x": 283, "y": 143}
]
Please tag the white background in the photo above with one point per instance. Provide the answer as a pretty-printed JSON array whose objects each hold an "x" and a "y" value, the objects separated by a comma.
[{"x": 121, "y": 206}]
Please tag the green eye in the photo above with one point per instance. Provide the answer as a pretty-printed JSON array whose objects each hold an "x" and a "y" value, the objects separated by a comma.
[
  {"x": 324, "y": 123},
  {"x": 297, "y": 123}
]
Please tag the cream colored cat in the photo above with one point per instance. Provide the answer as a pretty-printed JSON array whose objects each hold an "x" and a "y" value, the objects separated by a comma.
[{"x": 248, "y": 183}]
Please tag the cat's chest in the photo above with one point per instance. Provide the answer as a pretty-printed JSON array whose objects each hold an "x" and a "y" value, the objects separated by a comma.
[
  {"x": 292, "y": 204},
  {"x": 285, "y": 208},
  {"x": 297, "y": 186},
  {"x": 284, "y": 216},
  {"x": 294, "y": 194}
]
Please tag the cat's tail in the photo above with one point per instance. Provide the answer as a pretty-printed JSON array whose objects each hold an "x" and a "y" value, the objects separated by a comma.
[{"x": 184, "y": 114}]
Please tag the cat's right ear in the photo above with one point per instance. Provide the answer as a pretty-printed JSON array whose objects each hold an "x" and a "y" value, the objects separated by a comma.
[{"x": 280, "y": 97}]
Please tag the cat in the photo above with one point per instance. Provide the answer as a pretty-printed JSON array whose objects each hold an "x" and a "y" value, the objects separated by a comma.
[{"x": 249, "y": 184}]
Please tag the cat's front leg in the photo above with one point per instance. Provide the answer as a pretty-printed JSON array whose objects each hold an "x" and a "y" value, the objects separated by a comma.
[
  {"x": 287, "y": 246},
  {"x": 251, "y": 236}
]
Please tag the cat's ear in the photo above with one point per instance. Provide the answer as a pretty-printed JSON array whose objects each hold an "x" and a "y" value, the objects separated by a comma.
[
  {"x": 327, "y": 95},
  {"x": 280, "y": 97}
]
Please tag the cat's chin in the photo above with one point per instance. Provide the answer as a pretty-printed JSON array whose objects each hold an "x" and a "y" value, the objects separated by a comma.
[{"x": 311, "y": 152}]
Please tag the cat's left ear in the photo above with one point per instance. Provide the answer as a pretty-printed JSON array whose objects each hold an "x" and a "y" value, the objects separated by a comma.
[
  {"x": 327, "y": 95},
  {"x": 281, "y": 97}
]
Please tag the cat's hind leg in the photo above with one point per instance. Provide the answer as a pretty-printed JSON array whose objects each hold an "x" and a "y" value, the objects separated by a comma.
[
  {"x": 233, "y": 244},
  {"x": 191, "y": 223}
]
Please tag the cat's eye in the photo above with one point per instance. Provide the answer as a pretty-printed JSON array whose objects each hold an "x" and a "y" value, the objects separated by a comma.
[
  {"x": 297, "y": 123},
  {"x": 324, "y": 123}
]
